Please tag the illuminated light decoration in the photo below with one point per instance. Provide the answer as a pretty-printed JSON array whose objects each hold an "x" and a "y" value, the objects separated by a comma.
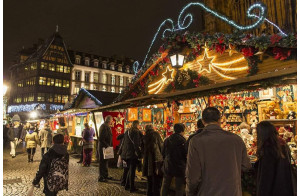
[
  {"x": 135, "y": 67},
  {"x": 119, "y": 119},
  {"x": 277, "y": 27},
  {"x": 231, "y": 50},
  {"x": 56, "y": 107},
  {"x": 230, "y": 62},
  {"x": 24, "y": 108},
  {"x": 168, "y": 75}
]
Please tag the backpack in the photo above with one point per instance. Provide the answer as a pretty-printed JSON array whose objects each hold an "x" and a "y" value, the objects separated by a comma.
[{"x": 58, "y": 175}]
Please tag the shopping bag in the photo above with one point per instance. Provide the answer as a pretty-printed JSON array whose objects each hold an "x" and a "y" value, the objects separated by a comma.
[
  {"x": 120, "y": 162},
  {"x": 30, "y": 191},
  {"x": 108, "y": 153}
]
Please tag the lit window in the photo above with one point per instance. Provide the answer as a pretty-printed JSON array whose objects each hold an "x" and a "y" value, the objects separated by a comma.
[
  {"x": 65, "y": 98},
  {"x": 44, "y": 65},
  {"x": 77, "y": 88},
  {"x": 95, "y": 88},
  {"x": 121, "y": 81},
  {"x": 112, "y": 67},
  {"x": 66, "y": 83},
  {"x": 31, "y": 97},
  {"x": 104, "y": 78},
  {"x": 96, "y": 77},
  {"x": 104, "y": 88},
  {"x": 50, "y": 81},
  {"x": 66, "y": 69},
  {"x": 96, "y": 63},
  {"x": 87, "y": 62},
  {"x": 77, "y": 75},
  {"x": 33, "y": 66},
  {"x": 20, "y": 83},
  {"x": 51, "y": 67},
  {"x": 58, "y": 83},
  {"x": 113, "y": 79},
  {"x": 86, "y": 86},
  {"x": 41, "y": 97},
  {"x": 120, "y": 68},
  {"x": 104, "y": 66},
  {"x": 120, "y": 90},
  {"x": 87, "y": 77},
  {"x": 127, "y": 69},
  {"x": 50, "y": 98},
  {"x": 57, "y": 98},
  {"x": 112, "y": 89},
  {"x": 42, "y": 81}
]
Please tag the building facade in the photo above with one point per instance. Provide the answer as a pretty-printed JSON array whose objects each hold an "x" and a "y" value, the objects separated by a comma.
[
  {"x": 41, "y": 78},
  {"x": 94, "y": 72}
]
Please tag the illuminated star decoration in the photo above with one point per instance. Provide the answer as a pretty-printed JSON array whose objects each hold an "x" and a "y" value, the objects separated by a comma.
[
  {"x": 207, "y": 61},
  {"x": 232, "y": 50},
  {"x": 119, "y": 119},
  {"x": 119, "y": 130},
  {"x": 156, "y": 87}
]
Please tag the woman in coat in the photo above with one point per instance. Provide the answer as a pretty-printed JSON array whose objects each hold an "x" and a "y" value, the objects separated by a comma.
[
  {"x": 32, "y": 140},
  {"x": 88, "y": 144},
  {"x": 273, "y": 166},
  {"x": 46, "y": 138},
  {"x": 152, "y": 160}
]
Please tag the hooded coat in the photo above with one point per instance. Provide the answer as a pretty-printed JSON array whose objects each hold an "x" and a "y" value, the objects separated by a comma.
[
  {"x": 174, "y": 154},
  {"x": 46, "y": 137},
  {"x": 56, "y": 151},
  {"x": 32, "y": 139}
]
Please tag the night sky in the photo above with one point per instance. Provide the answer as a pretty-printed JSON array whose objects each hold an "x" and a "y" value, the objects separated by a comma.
[{"x": 110, "y": 27}]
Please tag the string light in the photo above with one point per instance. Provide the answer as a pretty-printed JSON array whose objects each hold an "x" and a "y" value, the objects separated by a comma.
[
  {"x": 56, "y": 107},
  {"x": 24, "y": 108},
  {"x": 135, "y": 67}
]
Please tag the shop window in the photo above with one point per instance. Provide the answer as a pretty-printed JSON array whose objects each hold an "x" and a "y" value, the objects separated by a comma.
[
  {"x": 42, "y": 81},
  {"x": 77, "y": 75},
  {"x": 96, "y": 77},
  {"x": 113, "y": 79},
  {"x": 58, "y": 83},
  {"x": 41, "y": 97},
  {"x": 87, "y": 77}
]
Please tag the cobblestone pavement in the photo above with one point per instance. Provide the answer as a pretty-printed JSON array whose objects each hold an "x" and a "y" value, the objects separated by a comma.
[{"x": 18, "y": 175}]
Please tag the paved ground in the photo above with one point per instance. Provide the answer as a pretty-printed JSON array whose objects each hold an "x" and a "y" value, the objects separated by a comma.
[{"x": 18, "y": 175}]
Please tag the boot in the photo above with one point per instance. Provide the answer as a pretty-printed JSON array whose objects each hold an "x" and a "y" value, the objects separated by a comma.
[{"x": 29, "y": 158}]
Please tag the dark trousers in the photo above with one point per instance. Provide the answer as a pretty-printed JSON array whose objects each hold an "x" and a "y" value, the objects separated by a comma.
[
  {"x": 153, "y": 185},
  {"x": 131, "y": 167},
  {"x": 103, "y": 165},
  {"x": 43, "y": 150},
  {"x": 87, "y": 156},
  {"x": 124, "y": 176},
  {"x": 179, "y": 185},
  {"x": 30, "y": 152},
  {"x": 48, "y": 193},
  {"x": 81, "y": 155}
]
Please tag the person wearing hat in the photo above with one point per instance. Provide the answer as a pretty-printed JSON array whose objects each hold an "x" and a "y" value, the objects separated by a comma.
[
  {"x": 45, "y": 136},
  {"x": 32, "y": 140},
  {"x": 174, "y": 154},
  {"x": 13, "y": 135}
]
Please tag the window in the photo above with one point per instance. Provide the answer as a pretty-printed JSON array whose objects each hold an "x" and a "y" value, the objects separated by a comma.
[
  {"x": 87, "y": 77},
  {"x": 104, "y": 78},
  {"x": 30, "y": 97},
  {"x": 127, "y": 69},
  {"x": 59, "y": 68},
  {"x": 51, "y": 67},
  {"x": 120, "y": 90},
  {"x": 41, "y": 97},
  {"x": 95, "y": 87},
  {"x": 44, "y": 65},
  {"x": 86, "y": 86},
  {"x": 58, "y": 83},
  {"x": 113, "y": 79},
  {"x": 96, "y": 77},
  {"x": 64, "y": 98},
  {"x": 112, "y": 89},
  {"x": 50, "y": 98},
  {"x": 104, "y": 66},
  {"x": 77, "y": 88},
  {"x": 77, "y": 75},
  {"x": 96, "y": 63},
  {"x": 87, "y": 62},
  {"x": 112, "y": 67},
  {"x": 42, "y": 81},
  {"x": 120, "y": 68},
  {"x": 20, "y": 83},
  {"x": 77, "y": 61},
  {"x": 18, "y": 99},
  {"x": 121, "y": 81},
  {"x": 26, "y": 68},
  {"x": 66, "y": 83},
  {"x": 104, "y": 88},
  {"x": 66, "y": 69},
  {"x": 57, "y": 98},
  {"x": 33, "y": 66},
  {"x": 50, "y": 82}
]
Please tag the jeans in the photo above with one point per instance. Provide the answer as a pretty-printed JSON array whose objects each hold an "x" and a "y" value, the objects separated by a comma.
[
  {"x": 131, "y": 167},
  {"x": 153, "y": 185},
  {"x": 124, "y": 176},
  {"x": 87, "y": 156},
  {"x": 103, "y": 165},
  {"x": 179, "y": 185},
  {"x": 13, "y": 145},
  {"x": 43, "y": 150},
  {"x": 30, "y": 152}
]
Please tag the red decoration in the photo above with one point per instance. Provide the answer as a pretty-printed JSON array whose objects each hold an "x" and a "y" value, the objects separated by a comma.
[
  {"x": 220, "y": 48},
  {"x": 281, "y": 54},
  {"x": 247, "y": 52},
  {"x": 275, "y": 38},
  {"x": 134, "y": 94},
  {"x": 220, "y": 39},
  {"x": 161, "y": 49}
]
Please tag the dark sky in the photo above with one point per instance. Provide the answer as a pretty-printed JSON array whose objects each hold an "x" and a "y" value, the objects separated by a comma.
[{"x": 104, "y": 27}]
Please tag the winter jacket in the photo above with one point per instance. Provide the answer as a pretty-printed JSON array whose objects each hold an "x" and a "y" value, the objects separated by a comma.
[
  {"x": 14, "y": 132},
  {"x": 132, "y": 145},
  {"x": 88, "y": 135},
  {"x": 46, "y": 137},
  {"x": 56, "y": 151},
  {"x": 190, "y": 137},
  {"x": 32, "y": 139},
  {"x": 273, "y": 174},
  {"x": 215, "y": 161},
  {"x": 105, "y": 136},
  {"x": 24, "y": 132},
  {"x": 152, "y": 152},
  {"x": 174, "y": 154}
]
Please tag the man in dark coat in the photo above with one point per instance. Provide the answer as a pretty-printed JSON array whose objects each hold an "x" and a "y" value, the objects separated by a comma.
[
  {"x": 105, "y": 140},
  {"x": 174, "y": 154},
  {"x": 56, "y": 153},
  {"x": 215, "y": 159},
  {"x": 13, "y": 135},
  {"x": 130, "y": 152},
  {"x": 200, "y": 127}
]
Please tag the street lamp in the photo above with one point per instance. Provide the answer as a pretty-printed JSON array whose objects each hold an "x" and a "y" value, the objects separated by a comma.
[
  {"x": 33, "y": 114},
  {"x": 4, "y": 89},
  {"x": 177, "y": 60}
]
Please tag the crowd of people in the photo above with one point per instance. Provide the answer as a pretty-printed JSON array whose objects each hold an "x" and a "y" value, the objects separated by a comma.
[{"x": 209, "y": 162}]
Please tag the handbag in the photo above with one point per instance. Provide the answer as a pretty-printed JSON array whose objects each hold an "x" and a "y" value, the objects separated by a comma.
[
  {"x": 80, "y": 143},
  {"x": 108, "y": 153}
]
